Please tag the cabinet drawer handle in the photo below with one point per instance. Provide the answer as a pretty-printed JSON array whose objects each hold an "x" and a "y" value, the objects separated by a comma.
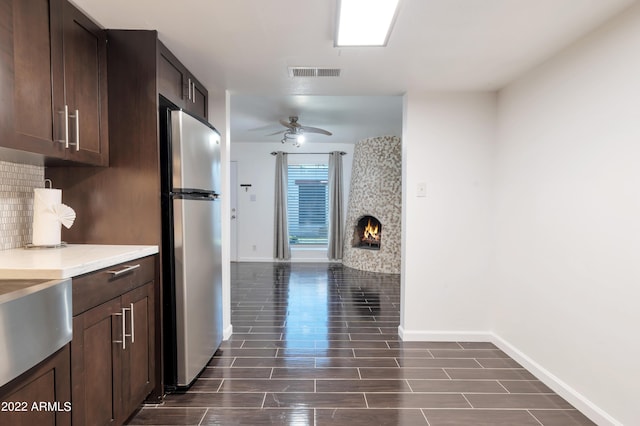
[{"x": 127, "y": 268}]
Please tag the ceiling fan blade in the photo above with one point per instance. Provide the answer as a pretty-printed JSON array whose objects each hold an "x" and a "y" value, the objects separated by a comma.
[
  {"x": 288, "y": 124},
  {"x": 308, "y": 129},
  {"x": 275, "y": 133}
]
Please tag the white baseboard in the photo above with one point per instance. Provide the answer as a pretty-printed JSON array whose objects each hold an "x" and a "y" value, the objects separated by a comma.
[
  {"x": 296, "y": 260},
  {"x": 585, "y": 406},
  {"x": 444, "y": 336},
  {"x": 256, "y": 259},
  {"x": 311, "y": 260},
  {"x": 227, "y": 332}
]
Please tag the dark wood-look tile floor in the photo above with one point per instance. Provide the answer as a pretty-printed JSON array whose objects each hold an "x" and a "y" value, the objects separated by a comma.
[{"x": 317, "y": 344}]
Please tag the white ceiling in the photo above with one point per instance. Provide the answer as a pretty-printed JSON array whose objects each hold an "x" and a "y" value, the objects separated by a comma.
[
  {"x": 439, "y": 45},
  {"x": 349, "y": 118}
]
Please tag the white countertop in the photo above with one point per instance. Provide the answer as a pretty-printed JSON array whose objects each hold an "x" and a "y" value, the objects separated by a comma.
[{"x": 66, "y": 262}]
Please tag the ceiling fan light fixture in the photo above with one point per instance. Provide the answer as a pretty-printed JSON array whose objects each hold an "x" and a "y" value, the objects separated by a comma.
[
  {"x": 365, "y": 22},
  {"x": 295, "y": 136},
  {"x": 296, "y": 132}
]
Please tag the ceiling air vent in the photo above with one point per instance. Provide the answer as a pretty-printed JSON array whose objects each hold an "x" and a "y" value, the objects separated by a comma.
[{"x": 313, "y": 72}]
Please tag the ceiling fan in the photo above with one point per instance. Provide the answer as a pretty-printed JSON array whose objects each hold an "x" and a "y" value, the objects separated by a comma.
[{"x": 295, "y": 131}]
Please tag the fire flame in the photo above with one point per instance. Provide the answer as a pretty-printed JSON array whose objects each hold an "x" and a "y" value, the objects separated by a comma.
[{"x": 371, "y": 232}]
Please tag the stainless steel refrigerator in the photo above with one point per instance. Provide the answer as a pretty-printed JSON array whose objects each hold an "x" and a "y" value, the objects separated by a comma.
[{"x": 192, "y": 277}]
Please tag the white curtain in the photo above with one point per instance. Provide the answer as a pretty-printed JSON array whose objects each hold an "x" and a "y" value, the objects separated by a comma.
[
  {"x": 336, "y": 215},
  {"x": 281, "y": 248}
]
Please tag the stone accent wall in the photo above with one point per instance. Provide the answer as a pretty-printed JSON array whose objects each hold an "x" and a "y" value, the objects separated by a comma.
[
  {"x": 376, "y": 190},
  {"x": 17, "y": 182}
]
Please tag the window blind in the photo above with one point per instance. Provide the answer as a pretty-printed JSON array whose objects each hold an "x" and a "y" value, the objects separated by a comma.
[{"x": 307, "y": 204}]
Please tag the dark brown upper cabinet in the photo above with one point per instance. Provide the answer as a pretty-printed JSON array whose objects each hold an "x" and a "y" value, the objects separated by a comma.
[
  {"x": 59, "y": 82},
  {"x": 199, "y": 98},
  {"x": 85, "y": 82},
  {"x": 6, "y": 71},
  {"x": 177, "y": 84}
]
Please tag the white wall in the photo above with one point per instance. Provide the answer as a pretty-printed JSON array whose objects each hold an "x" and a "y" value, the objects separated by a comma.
[
  {"x": 567, "y": 218},
  {"x": 256, "y": 166},
  {"x": 529, "y": 235},
  {"x": 219, "y": 117},
  {"x": 448, "y": 142}
]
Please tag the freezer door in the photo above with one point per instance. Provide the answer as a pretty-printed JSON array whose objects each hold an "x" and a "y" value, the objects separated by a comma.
[
  {"x": 198, "y": 284},
  {"x": 195, "y": 150}
]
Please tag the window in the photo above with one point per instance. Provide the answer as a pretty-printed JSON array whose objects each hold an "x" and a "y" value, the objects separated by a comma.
[{"x": 307, "y": 204}]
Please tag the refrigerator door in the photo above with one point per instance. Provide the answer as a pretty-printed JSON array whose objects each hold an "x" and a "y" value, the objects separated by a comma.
[
  {"x": 195, "y": 150},
  {"x": 198, "y": 284}
]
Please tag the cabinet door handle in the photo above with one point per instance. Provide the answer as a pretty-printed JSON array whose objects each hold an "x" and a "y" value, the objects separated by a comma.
[
  {"x": 124, "y": 330},
  {"x": 76, "y": 116},
  {"x": 194, "y": 93},
  {"x": 127, "y": 268},
  {"x": 77, "y": 130},
  {"x": 189, "y": 88},
  {"x": 133, "y": 330},
  {"x": 65, "y": 121},
  {"x": 123, "y": 321},
  {"x": 123, "y": 325}
]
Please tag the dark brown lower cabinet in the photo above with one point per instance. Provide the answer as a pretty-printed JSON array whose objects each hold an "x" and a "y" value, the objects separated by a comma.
[
  {"x": 113, "y": 353},
  {"x": 108, "y": 369},
  {"x": 137, "y": 378},
  {"x": 41, "y": 396},
  {"x": 95, "y": 361}
]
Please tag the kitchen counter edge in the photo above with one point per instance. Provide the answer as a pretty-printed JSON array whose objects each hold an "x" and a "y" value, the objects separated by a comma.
[{"x": 67, "y": 262}]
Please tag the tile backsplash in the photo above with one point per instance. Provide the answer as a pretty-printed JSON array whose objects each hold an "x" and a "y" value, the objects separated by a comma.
[{"x": 17, "y": 182}]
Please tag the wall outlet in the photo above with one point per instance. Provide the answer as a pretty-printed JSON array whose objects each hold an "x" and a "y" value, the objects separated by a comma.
[
  {"x": 421, "y": 189},
  {"x": 254, "y": 247}
]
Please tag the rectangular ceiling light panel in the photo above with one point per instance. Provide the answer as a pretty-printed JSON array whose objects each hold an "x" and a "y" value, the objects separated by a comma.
[{"x": 365, "y": 22}]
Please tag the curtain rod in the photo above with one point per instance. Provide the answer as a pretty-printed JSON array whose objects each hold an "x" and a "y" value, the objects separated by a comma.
[{"x": 312, "y": 153}]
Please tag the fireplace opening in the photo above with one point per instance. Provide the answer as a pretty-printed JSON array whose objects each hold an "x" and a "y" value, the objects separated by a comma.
[{"x": 367, "y": 233}]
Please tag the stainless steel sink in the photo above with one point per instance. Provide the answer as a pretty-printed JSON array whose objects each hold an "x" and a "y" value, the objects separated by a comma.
[{"x": 35, "y": 321}]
